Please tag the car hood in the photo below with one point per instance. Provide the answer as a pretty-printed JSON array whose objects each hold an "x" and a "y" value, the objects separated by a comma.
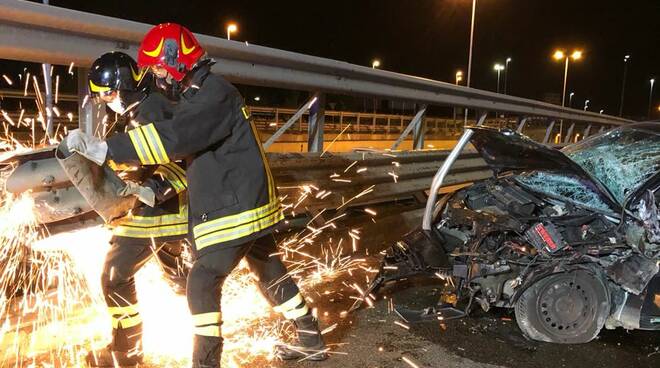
[{"x": 507, "y": 150}]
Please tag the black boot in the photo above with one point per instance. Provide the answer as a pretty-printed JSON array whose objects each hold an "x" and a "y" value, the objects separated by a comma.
[
  {"x": 207, "y": 351},
  {"x": 310, "y": 344},
  {"x": 106, "y": 358},
  {"x": 125, "y": 349}
]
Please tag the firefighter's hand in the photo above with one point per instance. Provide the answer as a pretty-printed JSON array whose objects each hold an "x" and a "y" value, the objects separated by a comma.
[
  {"x": 143, "y": 194},
  {"x": 89, "y": 146}
]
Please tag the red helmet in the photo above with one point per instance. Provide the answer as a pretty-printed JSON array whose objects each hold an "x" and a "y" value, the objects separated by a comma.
[{"x": 172, "y": 47}]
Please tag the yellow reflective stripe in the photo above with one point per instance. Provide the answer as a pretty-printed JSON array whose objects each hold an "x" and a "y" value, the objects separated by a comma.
[
  {"x": 154, "y": 221},
  {"x": 271, "y": 182},
  {"x": 239, "y": 232},
  {"x": 289, "y": 304},
  {"x": 126, "y": 322},
  {"x": 206, "y": 318},
  {"x": 127, "y": 310},
  {"x": 155, "y": 144},
  {"x": 154, "y": 226},
  {"x": 296, "y": 313},
  {"x": 140, "y": 146},
  {"x": 208, "y": 331},
  {"x": 172, "y": 173},
  {"x": 178, "y": 169},
  {"x": 171, "y": 178},
  {"x": 166, "y": 230},
  {"x": 235, "y": 220}
]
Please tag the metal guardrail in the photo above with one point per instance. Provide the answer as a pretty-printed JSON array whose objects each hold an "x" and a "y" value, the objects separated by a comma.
[
  {"x": 40, "y": 33},
  {"x": 381, "y": 176}
]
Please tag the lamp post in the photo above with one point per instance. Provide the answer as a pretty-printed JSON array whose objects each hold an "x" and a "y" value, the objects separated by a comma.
[
  {"x": 648, "y": 115},
  {"x": 506, "y": 73},
  {"x": 375, "y": 64},
  {"x": 623, "y": 84},
  {"x": 570, "y": 99},
  {"x": 561, "y": 55},
  {"x": 498, "y": 68},
  {"x": 459, "y": 78},
  {"x": 586, "y": 104},
  {"x": 469, "y": 71},
  {"x": 231, "y": 28}
]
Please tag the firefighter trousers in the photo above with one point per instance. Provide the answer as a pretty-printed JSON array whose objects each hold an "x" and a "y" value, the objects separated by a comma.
[
  {"x": 204, "y": 291},
  {"x": 125, "y": 257}
]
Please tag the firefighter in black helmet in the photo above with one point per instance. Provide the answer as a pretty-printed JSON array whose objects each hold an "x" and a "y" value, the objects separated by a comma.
[
  {"x": 234, "y": 206},
  {"x": 114, "y": 78}
]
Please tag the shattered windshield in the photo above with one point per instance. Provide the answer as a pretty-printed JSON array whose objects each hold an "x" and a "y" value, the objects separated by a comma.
[
  {"x": 564, "y": 186},
  {"x": 622, "y": 159}
]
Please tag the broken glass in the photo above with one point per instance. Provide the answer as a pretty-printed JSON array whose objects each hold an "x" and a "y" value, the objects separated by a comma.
[
  {"x": 564, "y": 186},
  {"x": 622, "y": 160}
]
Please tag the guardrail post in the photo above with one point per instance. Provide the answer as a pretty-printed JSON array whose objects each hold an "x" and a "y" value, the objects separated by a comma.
[
  {"x": 521, "y": 124},
  {"x": 419, "y": 131},
  {"x": 413, "y": 123},
  {"x": 297, "y": 116},
  {"x": 567, "y": 139},
  {"x": 548, "y": 131},
  {"x": 90, "y": 114},
  {"x": 316, "y": 125}
]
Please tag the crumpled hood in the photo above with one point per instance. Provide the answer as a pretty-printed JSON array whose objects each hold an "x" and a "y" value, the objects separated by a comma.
[{"x": 507, "y": 150}]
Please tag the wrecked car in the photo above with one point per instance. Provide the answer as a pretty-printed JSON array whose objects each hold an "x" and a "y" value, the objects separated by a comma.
[{"x": 569, "y": 239}]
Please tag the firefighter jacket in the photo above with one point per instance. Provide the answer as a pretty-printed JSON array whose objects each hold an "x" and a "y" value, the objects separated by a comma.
[
  {"x": 168, "y": 219},
  {"x": 231, "y": 193}
]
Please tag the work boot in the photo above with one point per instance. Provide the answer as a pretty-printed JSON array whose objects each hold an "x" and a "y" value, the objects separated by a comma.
[
  {"x": 310, "y": 344},
  {"x": 206, "y": 352},
  {"x": 109, "y": 358}
]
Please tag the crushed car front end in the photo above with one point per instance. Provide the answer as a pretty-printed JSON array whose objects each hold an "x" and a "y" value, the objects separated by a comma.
[{"x": 544, "y": 236}]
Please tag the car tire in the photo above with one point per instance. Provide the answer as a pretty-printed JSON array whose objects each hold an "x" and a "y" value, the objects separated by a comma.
[{"x": 566, "y": 308}]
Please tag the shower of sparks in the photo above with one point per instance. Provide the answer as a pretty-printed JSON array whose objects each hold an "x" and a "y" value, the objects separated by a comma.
[
  {"x": 52, "y": 310},
  {"x": 53, "y": 314}
]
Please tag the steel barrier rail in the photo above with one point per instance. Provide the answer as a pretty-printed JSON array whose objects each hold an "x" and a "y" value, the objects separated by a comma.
[
  {"x": 387, "y": 176},
  {"x": 36, "y": 32}
]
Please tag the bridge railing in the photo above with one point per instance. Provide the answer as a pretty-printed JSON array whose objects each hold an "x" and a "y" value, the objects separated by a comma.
[{"x": 40, "y": 33}]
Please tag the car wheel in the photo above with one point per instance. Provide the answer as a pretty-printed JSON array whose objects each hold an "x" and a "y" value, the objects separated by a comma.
[{"x": 565, "y": 308}]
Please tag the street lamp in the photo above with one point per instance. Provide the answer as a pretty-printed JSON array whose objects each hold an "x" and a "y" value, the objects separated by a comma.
[
  {"x": 561, "y": 55},
  {"x": 498, "y": 68},
  {"x": 375, "y": 64},
  {"x": 586, "y": 104},
  {"x": 469, "y": 71},
  {"x": 601, "y": 112},
  {"x": 648, "y": 116},
  {"x": 570, "y": 99},
  {"x": 623, "y": 84},
  {"x": 459, "y": 77},
  {"x": 506, "y": 72},
  {"x": 231, "y": 28}
]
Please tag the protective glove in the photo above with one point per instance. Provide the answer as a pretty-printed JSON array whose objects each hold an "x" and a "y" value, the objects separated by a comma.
[
  {"x": 143, "y": 194},
  {"x": 89, "y": 146}
]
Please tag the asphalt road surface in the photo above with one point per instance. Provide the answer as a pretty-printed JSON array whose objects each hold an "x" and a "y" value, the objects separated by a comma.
[{"x": 370, "y": 338}]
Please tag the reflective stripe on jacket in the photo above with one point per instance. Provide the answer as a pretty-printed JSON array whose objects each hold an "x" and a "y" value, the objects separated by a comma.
[{"x": 231, "y": 191}]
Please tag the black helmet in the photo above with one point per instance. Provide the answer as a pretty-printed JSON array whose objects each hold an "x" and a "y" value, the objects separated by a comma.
[{"x": 114, "y": 71}]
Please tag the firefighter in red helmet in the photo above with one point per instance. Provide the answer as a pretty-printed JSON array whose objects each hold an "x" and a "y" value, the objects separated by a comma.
[{"x": 233, "y": 202}]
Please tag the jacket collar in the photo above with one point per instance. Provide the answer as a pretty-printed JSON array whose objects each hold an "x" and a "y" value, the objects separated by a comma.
[{"x": 193, "y": 81}]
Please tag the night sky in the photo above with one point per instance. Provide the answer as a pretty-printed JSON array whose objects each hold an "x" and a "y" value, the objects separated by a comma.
[{"x": 430, "y": 38}]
